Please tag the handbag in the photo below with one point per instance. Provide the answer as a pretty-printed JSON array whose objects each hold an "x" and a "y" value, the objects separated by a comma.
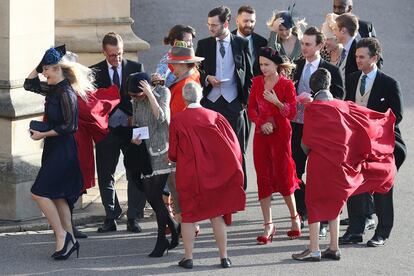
[{"x": 40, "y": 126}]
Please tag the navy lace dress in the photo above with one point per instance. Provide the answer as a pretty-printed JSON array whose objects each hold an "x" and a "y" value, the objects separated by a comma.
[{"x": 60, "y": 175}]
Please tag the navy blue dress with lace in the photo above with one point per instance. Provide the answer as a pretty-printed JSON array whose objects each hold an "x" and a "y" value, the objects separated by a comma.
[{"x": 60, "y": 175}]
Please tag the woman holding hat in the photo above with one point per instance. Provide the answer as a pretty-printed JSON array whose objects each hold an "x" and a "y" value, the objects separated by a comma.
[
  {"x": 59, "y": 181},
  {"x": 272, "y": 104},
  {"x": 332, "y": 50},
  {"x": 151, "y": 109},
  {"x": 285, "y": 34}
]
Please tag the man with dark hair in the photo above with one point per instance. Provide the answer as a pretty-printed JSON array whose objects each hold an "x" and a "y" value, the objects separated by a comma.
[
  {"x": 246, "y": 21},
  {"x": 320, "y": 81},
  {"x": 311, "y": 44},
  {"x": 366, "y": 28},
  {"x": 114, "y": 70},
  {"x": 226, "y": 74},
  {"x": 375, "y": 90}
]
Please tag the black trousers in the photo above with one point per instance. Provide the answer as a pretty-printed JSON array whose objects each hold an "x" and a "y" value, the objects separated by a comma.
[
  {"x": 300, "y": 161},
  {"x": 384, "y": 206},
  {"x": 107, "y": 156},
  {"x": 236, "y": 115}
]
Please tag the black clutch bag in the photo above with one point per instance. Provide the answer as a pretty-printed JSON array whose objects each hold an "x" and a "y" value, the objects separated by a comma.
[{"x": 40, "y": 126}]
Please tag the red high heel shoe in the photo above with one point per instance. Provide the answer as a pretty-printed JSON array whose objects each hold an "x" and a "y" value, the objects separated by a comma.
[
  {"x": 294, "y": 234},
  {"x": 262, "y": 240}
]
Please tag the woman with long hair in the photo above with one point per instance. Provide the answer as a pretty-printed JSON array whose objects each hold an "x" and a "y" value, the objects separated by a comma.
[
  {"x": 59, "y": 181},
  {"x": 272, "y": 104}
]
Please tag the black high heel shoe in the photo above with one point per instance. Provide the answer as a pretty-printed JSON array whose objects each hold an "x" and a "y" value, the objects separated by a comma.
[
  {"x": 175, "y": 237},
  {"x": 66, "y": 254},
  {"x": 159, "y": 249},
  {"x": 68, "y": 239}
]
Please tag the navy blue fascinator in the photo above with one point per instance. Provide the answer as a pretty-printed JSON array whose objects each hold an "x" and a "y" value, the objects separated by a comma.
[
  {"x": 133, "y": 82},
  {"x": 271, "y": 54},
  {"x": 52, "y": 56}
]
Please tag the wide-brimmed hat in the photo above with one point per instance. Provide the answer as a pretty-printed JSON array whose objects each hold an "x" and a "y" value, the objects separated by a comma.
[
  {"x": 181, "y": 53},
  {"x": 133, "y": 82},
  {"x": 328, "y": 26}
]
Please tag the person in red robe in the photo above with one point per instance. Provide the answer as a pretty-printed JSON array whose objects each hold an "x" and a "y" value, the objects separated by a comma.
[
  {"x": 208, "y": 171},
  {"x": 272, "y": 104},
  {"x": 350, "y": 151}
]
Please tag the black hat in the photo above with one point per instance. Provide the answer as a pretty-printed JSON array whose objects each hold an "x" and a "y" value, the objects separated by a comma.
[
  {"x": 271, "y": 54},
  {"x": 287, "y": 19},
  {"x": 52, "y": 56},
  {"x": 133, "y": 80}
]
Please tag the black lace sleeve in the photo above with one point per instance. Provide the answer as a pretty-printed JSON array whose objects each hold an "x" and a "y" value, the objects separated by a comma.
[
  {"x": 37, "y": 86},
  {"x": 69, "y": 107}
]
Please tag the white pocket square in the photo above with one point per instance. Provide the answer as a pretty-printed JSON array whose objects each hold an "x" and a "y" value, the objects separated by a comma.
[{"x": 382, "y": 99}]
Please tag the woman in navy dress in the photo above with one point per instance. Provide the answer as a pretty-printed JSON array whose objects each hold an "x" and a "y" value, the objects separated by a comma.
[{"x": 59, "y": 181}]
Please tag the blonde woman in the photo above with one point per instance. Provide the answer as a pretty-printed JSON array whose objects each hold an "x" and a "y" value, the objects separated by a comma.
[
  {"x": 59, "y": 180},
  {"x": 286, "y": 34},
  {"x": 332, "y": 50}
]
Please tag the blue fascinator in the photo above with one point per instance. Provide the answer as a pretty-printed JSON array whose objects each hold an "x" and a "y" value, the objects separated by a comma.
[{"x": 51, "y": 57}]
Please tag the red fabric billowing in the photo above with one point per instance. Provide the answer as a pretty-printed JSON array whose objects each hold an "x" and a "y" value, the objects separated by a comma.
[
  {"x": 272, "y": 154},
  {"x": 351, "y": 152},
  {"x": 93, "y": 127},
  {"x": 209, "y": 175}
]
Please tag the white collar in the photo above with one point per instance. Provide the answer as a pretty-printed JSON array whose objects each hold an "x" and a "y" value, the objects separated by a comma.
[
  {"x": 371, "y": 75},
  {"x": 226, "y": 39},
  {"x": 314, "y": 63},
  {"x": 242, "y": 35},
  {"x": 348, "y": 45},
  {"x": 194, "y": 105},
  {"x": 110, "y": 66}
]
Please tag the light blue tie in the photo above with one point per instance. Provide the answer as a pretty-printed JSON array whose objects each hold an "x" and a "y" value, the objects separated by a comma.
[{"x": 306, "y": 77}]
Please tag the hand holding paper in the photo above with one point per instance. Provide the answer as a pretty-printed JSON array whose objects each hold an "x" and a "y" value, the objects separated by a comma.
[{"x": 140, "y": 132}]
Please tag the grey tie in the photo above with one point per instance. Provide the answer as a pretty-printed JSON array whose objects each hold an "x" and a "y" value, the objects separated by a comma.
[
  {"x": 306, "y": 77},
  {"x": 362, "y": 86},
  {"x": 222, "y": 50},
  {"x": 343, "y": 55}
]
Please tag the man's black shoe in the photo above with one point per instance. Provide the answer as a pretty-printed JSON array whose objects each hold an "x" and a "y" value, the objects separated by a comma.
[
  {"x": 349, "y": 238},
  {"x": 78, "y": 234},
  {"x": 133, "y": 226},
  {"x": 376, "y": 241},
  {"x": 108, "y": 226}
]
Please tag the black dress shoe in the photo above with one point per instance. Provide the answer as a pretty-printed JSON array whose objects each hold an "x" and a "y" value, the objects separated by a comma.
[
  {"x": 376, "y": 241},
  {"x": 349, "y": 238},
  {"x": 133, "y": 226},
  {"x": 225, "y": 263},
  {"x": 186, "y": 263},
  {"x": 108, "y": 226},
  {"x": 78, "y": 234},
  {"x": 323, "y": 231},
  {"x": 369, "y": 223},
  {"x": 344, "y": 221},
  {"x": 331, "y": 254},
  {"x": 307, "y": 256}
]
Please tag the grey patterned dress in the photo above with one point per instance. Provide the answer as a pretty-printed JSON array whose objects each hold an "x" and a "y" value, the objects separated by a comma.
[{"x": 157, "y": 144}]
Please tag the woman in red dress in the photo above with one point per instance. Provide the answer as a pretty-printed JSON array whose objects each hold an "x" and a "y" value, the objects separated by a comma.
[{"x": 272, "y": 104}]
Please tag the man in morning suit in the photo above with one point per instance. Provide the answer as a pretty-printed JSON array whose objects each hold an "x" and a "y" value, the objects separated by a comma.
[
  {"x": 245, "y": 21},
  {"x": 311, "y": 44},
  {"x": 375, "y": 90},
  {"x": 226, "y": 74},
  {"x": 115, "y": 70}
]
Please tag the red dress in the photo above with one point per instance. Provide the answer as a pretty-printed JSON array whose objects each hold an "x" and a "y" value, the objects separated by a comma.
[
  {"x": 272, "y": 154},
  {"x": 351, "y": 152},
  {"x": 93, "y": 127},
  {"x": 209, "y": 175}
]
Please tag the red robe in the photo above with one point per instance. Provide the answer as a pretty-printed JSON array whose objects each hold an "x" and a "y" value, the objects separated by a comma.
[
  {"x": 209, "y": 175},
  {"x": 177, "y": 102},
  {"x": 272, "y": 154},
  {"x": 93, "y": 127},
  {"x": 351, "y": 152}
]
